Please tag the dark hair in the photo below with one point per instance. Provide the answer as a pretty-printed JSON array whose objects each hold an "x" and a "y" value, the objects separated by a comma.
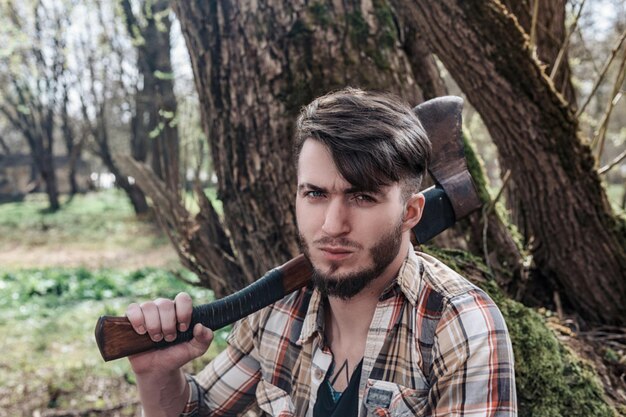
[{"x": 375, "y": 139}]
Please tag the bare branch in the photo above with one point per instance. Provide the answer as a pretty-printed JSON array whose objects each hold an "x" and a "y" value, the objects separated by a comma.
[
  {"x": 4, "y": 146},
  {"x": 616, "y": 95},
  {"x": 533, "y": 24},
  {"x": 568, "y": 36},
  {"x": 608, "y": 63},
  {"x": 200, "y": 241},
  {"x": 487, "y": 210},
  {"x": 619, "y": 158}
]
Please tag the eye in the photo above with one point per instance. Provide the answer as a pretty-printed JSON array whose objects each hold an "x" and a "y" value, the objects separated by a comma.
[
  {"x": 364, "y": 198},
  {"x": 314, "y": 194}
]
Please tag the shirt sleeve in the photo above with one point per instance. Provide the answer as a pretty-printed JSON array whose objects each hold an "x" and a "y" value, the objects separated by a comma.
[
  {"x": 473, "y": 373},
  {"x": 227, "y": 385}
]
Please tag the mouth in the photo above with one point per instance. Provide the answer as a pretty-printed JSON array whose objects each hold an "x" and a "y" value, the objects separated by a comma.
[{"x": 335, "y": 253}]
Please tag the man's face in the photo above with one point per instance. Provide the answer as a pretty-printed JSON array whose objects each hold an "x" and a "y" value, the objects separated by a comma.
[{"x": 350, "y": 236}]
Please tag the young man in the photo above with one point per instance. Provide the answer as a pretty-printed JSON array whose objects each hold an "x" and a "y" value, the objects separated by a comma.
[{"x": 383, "y": 331}]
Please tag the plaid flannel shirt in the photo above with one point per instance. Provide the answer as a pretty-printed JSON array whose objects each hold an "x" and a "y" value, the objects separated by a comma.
[{"x": 437, "y": 346}]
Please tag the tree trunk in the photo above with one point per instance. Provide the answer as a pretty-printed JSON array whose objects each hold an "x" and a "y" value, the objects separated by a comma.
[
  {"x": 48, "y": 174},
  {"x": 154, "y": 123},
  {"x": 578, "y": 241},
  {"x": 549, "y": 39},
  {"x": 73, "y": 149},
  {"x": 255, "y": 65}
]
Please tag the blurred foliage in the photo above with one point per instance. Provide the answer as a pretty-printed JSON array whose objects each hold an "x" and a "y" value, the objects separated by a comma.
[{"x": 51, "y": 359}]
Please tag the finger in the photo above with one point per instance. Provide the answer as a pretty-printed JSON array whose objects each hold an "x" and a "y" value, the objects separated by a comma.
[
  {"x": 152, "y": 320},
  {"x": 167, "y": 316},
  {"x": 183, "y": 304},
  {"x": 135, "y": 316}
]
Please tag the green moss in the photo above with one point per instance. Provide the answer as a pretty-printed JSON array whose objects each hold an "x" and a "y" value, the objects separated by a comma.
[
  {"x": 320, "y": 14},
  {"x": 551, "y": 380},
  {"x": 359, "y": 29},
  {"x": 459, "y": 260},
  {"x": 387, "y": 33},
  {"x": 476, "y": 168},
  {"x": 379, "y": 59}
]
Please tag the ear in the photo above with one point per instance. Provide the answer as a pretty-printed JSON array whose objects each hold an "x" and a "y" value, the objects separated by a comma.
[{"x": 413, "y": 211}]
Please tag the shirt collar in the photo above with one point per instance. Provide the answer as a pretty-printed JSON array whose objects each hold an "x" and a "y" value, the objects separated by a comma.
[
  {"x": 409, "y": 278},
  {"x": 314, "y": 320}
]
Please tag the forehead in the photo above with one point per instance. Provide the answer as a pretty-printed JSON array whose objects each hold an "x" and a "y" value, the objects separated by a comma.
[{"x": 316, "y": 165}]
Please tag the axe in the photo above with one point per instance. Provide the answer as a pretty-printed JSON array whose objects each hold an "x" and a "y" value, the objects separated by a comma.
[{"x": 451, "y": 198}]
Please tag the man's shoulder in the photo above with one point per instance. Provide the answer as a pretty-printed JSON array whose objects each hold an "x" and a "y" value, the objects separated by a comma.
[
  {"x": 440, "y": 278},
  {"x": 439, "y": 288},
  {"x": 289, "y": 312}
]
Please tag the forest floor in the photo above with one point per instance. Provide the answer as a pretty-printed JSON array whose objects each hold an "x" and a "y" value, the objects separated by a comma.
[{"x": 58, "y": 273}]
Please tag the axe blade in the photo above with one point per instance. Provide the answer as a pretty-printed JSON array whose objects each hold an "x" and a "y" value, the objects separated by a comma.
[{"x": 454, "y": 195}]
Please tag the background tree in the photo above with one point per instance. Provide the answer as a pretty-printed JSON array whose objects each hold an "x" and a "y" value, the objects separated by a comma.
[
  {"x": 155, "y": 119},
  {"x": 32, "y": 73},
  {"x": 579, "y": 245},
  {"x": 102, "y": 90},
  {"x": 253, "y": 69}
]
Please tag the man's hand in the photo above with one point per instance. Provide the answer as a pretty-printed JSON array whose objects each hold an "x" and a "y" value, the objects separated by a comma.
[{"x": 160, "y": 319}]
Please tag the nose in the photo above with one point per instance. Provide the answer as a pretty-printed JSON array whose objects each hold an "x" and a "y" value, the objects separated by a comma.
[{"x": 337, "y": 218}]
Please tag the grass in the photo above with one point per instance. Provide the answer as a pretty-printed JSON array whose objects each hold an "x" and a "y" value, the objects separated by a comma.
[
  {"x": 93, "y": 219},
  {"x": 50, "y": 315},
  {"x": 48, "y": 356}
]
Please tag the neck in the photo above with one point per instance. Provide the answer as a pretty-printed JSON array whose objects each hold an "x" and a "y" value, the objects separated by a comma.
[{"x": 349, "y": 320}]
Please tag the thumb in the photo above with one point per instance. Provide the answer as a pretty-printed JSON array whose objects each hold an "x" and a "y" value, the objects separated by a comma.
[{"x": 202, "y": 338}]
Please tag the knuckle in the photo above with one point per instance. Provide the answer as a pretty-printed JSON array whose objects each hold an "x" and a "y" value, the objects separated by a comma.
[{"x": 163, "y": 303}]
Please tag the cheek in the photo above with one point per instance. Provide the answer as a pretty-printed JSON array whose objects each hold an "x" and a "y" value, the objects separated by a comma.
[
  {"x": 374, "y": 226},
  {"x": 305, "y": 217}
]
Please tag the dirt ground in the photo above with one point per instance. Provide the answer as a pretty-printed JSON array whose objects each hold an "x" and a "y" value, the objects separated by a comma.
[{"x": 69, "y": 256}]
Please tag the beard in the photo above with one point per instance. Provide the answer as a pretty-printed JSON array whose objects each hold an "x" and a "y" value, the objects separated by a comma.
[{"x": 346, "y": 286}]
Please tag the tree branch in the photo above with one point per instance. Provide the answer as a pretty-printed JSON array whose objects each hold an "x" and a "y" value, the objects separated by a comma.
[
  {"x": 616, "y": 95},
  {"x": 619, "y": 158},
  {"x": 568, "y": 35}
]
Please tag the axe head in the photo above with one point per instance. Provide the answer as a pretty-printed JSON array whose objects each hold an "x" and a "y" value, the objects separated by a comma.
[{"x": 454, "y": 195}]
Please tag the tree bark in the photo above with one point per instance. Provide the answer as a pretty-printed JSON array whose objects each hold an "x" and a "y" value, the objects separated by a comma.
[
  {"x": 551, "y": 34},
  {"x": 579, "y": 243},
  {"x": 255, "y": 64}
]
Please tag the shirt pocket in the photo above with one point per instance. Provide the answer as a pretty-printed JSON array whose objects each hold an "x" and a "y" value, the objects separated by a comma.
[
  {"x": 388, "y": 399},
  {"x": 273, "y": 400}
]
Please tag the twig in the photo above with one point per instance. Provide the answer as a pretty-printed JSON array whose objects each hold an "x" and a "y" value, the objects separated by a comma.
[
  {"x": 533, "y": 24},
  {"x": 568, "y": 36},
  {"x": 616, "y": 95},
  {"x": 608, "y": 63},
  {"x": 486, "y": 211},
  {"x": 619, "y": 158},
  {"x": 558, "y": 305}
]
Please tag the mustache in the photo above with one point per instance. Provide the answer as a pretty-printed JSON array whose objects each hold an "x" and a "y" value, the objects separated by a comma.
[{"x": 337, "y": 241}]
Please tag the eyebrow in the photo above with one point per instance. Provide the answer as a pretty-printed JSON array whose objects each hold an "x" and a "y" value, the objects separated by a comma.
[{"x": 351, "y": 190}]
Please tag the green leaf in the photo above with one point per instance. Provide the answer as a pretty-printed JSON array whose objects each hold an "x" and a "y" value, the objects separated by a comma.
[{"x": 161, "y": 75}]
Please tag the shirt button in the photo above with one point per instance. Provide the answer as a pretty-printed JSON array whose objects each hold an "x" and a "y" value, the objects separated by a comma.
[{"x": 318, "y": 373}]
